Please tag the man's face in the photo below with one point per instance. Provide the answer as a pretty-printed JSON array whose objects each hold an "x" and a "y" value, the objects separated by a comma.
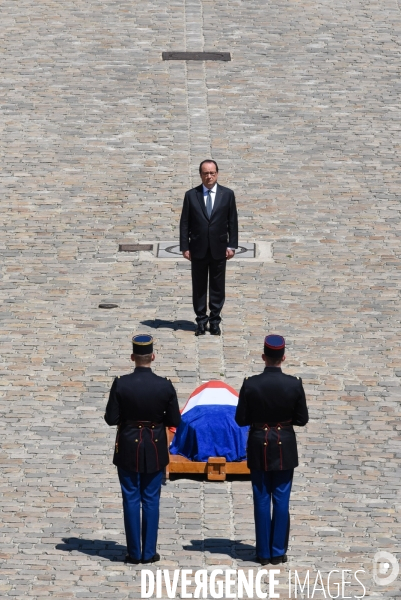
[{"x": 209, "y": 174}]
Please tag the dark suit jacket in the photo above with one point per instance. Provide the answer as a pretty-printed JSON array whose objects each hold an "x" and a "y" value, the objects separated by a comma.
[
  {"x": 142, "y": 396},
  {"x": 272, "y": 403},
  {"x": 198, "y": 233}
]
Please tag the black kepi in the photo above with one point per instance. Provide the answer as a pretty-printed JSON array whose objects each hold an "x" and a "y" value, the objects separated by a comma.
[{"x": 142, "y": 344}]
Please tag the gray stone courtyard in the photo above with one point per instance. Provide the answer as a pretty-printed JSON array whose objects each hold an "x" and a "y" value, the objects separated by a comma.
[{"x": 100, "y": 139}]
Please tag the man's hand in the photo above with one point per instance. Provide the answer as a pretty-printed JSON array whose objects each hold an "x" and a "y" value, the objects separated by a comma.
[
  {"x": 187, "y": 254},
  {"x": 229, "y": 253}
]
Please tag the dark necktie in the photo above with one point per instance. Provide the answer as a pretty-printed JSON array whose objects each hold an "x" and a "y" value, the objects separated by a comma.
[{"x": 209, "y": 204}]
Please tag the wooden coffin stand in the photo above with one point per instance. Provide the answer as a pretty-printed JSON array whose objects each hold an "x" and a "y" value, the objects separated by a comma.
[{"x": 215, "y": 469}]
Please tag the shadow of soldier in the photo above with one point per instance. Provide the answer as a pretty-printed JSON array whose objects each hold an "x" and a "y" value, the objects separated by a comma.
[
  {"x": 233, "y": 548},
  {"x": 114, "y": 551},
  {"x": 103, "y": 548}
]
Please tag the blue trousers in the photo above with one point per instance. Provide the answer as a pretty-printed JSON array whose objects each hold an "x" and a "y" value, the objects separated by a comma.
[
  {"x": 137, "y": 489},
  {"x": 272, "y": 523}
]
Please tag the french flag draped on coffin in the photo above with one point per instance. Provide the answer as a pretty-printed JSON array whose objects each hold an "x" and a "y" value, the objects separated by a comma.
[{"x": 208, "y": 427}]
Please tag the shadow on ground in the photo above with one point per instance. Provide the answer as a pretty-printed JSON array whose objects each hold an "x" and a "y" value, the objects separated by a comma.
[
  {"x": 232, "y": 548},
  {"x": 103, "y": 548},
  {"x": 180, "y": 325},
  {"x": 116, "y": 552}
]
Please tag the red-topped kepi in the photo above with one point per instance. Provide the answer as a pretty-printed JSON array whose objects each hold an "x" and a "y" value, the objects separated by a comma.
[{"x": 274, "y": 346}]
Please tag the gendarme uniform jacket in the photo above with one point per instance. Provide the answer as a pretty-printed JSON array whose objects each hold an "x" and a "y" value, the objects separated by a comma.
[
  {"x": 142, "y": 404},
  {"x": 271, "y": 403}
]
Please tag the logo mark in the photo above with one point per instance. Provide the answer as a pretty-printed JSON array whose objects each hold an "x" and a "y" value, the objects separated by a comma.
[{"x": 385, "y": 568}]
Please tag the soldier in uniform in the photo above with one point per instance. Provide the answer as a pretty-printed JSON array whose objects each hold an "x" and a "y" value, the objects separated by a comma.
[
  {"x": 142, "y": 405},
  {"x": 272, "y": 403}
]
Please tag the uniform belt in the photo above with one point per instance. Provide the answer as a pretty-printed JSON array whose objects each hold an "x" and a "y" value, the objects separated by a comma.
[
  {"x": 269, "y": 424},
  {"x": 140, "y": 424}
]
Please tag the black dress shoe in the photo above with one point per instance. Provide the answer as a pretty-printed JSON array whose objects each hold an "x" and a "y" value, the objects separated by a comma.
[
  {"x": 155, "y": 558},
  {"x": 263, "y": 561},
  {"x": 215, "y": 330},
  {"x": 201, "y": 330},
  {"x": 277, "y": 560},
  {"x": 131, "y": 561}
]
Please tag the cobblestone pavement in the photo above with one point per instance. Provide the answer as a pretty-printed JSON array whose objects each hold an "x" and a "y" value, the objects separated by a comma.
[{"x": 100, "y": 139}]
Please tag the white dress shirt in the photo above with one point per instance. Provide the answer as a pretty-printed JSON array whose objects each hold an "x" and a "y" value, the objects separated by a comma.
[{"x": 212, "y": 194}]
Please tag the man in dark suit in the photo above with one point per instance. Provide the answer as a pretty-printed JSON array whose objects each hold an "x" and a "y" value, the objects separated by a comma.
[
  {"x": 271, "y": 403},
  {"x": 208, "y": 238},
  {"x": 142, "y": 405}
]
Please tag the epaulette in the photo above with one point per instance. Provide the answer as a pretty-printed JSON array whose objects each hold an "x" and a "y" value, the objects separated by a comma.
[
  {"x": 246, "y": 378},
  {"x": 297, "y": 377},
  {"x": 168, "y": 378}
]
